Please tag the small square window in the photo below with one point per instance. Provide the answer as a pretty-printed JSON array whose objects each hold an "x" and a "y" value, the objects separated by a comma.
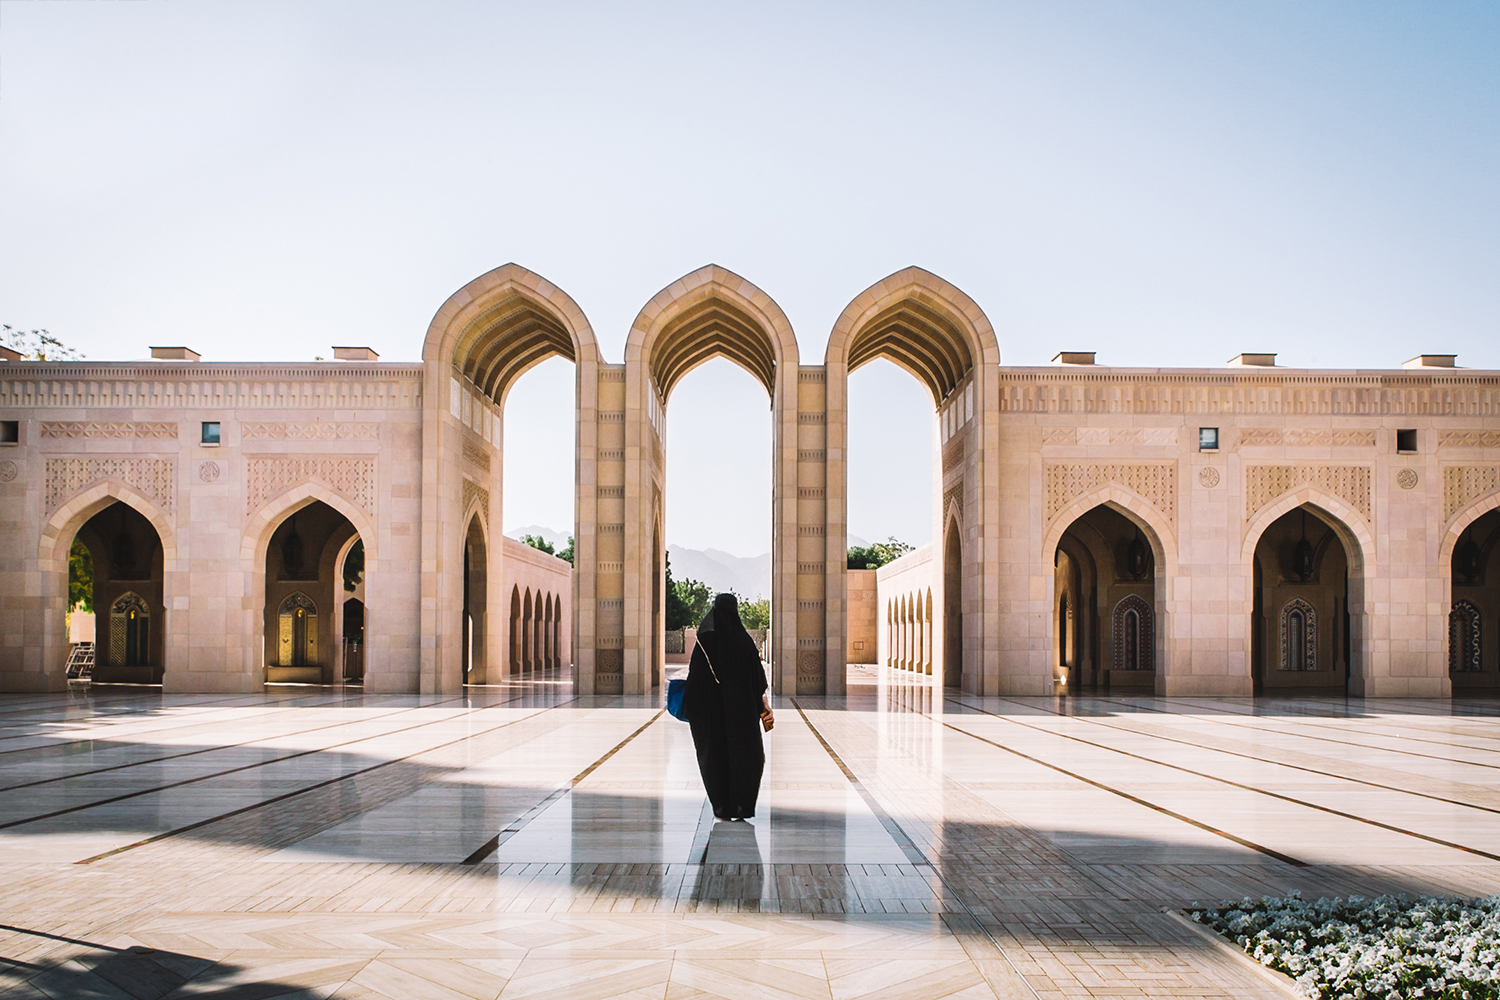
[
  {"x": 1406, "y": 440},
  {"x": 10, "y": 432},
  {"x": 1208, "y": 439},
  {"x": 210, "y": 432}
]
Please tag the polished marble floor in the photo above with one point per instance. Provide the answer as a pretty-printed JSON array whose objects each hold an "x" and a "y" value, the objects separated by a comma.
[{"x": 520, "y": 841}]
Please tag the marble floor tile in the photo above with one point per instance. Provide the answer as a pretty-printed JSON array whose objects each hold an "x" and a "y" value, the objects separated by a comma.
[{"x": 518, "y": 842}]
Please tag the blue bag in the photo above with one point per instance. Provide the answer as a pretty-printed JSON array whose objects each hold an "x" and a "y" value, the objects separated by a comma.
[{"x": 675, "y": 690}]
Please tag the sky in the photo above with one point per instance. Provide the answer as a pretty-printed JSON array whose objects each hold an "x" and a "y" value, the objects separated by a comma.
[{"x": 1165, "y": 183}]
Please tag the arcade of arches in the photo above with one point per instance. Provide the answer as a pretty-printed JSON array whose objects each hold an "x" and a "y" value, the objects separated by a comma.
[{"x": 1249, "y": 528}]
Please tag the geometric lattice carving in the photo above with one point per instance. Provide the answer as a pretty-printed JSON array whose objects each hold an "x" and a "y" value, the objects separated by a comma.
[
  {"x": 316, "y": 431},
  {"x": 953, "y": 495},
  {"x": 1462, "y": 483},
  {"x": 473, "y": 491},
  {"x": 1469, "y": 439},
  {"x": 1465, "y": 638},
  {"x": 1350, "y": 483},
  {"x": 352, "y": 477},
  {"x": 1156, "y": 483},
  {"x": 1307, "y": 436},
  {"x": 1299, "y": 636},
  {"x": 1133, "y": 634},
  {"x": 151, "y": 477},
  {"x": 92, "y": 429}
]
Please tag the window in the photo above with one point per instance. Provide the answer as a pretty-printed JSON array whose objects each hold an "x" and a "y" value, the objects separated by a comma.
[
  {"x": 10, "y": 432},
  {"x": 210, "y": 432},
  {"x": 1208, "y": 439},
  {"x": 1406, "y": 440}
]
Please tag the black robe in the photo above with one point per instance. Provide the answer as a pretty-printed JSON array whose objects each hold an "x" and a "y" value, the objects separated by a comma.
[{"x": 723, "y": 702}]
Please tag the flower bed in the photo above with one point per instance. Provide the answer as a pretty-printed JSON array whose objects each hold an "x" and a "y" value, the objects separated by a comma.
[{"x": 1388, "y": 948}]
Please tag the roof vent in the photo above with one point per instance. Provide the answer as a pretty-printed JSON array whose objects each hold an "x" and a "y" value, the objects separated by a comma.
[
  {"x": 1253, "y": 361},
  {"x": 175, "y": 354},
  {"x": 1432, "y": 361},
  {"x": 1074, "y": 358},
  {"x": 354, "y": 354}
]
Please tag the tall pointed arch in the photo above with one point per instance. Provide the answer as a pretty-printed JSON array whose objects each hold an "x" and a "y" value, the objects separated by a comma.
[
  {"x": 484, "y": 337},
  {"x": 711, "y": 312},
  {"x": 937, "y": 333}
]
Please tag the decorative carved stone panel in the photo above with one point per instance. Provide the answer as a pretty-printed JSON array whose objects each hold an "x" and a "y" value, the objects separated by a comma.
[
  {"x": 151, "y": 477},
  {"x": 810, "y": 671},
  {"x": 1156, "y": 483},
  {"x": 1469, "y": 439},
  {"x": 92, "y": 429},
  {"x": 952, "y": 495},
  {"x": 472, "y": 491},
  {"x": 1462, "y": 483},
  {"x": 1264, "y": 483},
  {"x": 1307, "y": 437},
  {"x": 1209, "y": 477},
  {"x": 354, "y": 478},
  {"x": 1059, "y": 435},
  {"x": 208, "y": 472},
  {"x": 1407, "y": 479},
  {"x": 310, "y": 432},
  {"x": 8, "y": 471},
  {"x": 476, "y": 455}
]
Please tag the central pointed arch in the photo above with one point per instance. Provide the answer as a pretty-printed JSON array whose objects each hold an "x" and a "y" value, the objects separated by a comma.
[
  {"x": 933, "y": 330},
  {"x": 711, "y": 312}
]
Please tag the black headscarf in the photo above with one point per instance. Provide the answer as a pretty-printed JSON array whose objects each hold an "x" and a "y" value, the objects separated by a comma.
[{"x": 735, "y": 658}]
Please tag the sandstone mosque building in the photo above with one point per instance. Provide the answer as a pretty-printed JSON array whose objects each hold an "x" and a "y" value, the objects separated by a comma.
[{"x": 1222, "y": 531}]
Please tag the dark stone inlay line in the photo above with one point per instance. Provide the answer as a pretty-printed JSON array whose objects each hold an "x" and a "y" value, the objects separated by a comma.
[
  {"x": 1268, "y": 852},
  {"x": 208, "y": 777},
  {"x": 493, "y": 844},
  {"x": 1235, "y": 753},
  {"x": 310, "y": 788},
  {"x": 1224, "y": 781},
  {"x": 222, "y": 746},
  {"x": 908, "y": 846},
  {"x": 1326, "y": 739}
]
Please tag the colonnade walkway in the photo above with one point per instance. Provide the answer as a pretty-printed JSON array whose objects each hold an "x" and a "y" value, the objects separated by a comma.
[{"x": 521, "y": 841}]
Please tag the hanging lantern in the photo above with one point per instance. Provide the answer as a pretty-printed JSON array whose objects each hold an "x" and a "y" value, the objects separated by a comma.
[
  {"x": 1302, "y": 560},
  {"x": 291, "y": 551},
  {"x": 1135, "y": 558},
  {"x": 1468, "y": 561}
]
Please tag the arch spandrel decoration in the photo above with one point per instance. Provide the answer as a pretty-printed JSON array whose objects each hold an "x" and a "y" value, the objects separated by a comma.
[{"x": 1299, "y": 635}]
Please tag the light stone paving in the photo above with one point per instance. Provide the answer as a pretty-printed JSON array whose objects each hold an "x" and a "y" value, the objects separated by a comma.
[{"x": 521, "y": 841}]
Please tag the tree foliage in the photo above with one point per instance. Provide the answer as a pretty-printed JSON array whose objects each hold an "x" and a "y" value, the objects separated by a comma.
[
  {"x": 37, "y": 345},
  {"x": 755, "y": 614},
  {"x": 354, "y": 565},
  {"x": 539, "y": 543},
  {"x": 877, "y": 554},
  {"x": 80, "y": 578},
  {"x": 687, "y": 601},
  {"x": 566, "y": 555}
]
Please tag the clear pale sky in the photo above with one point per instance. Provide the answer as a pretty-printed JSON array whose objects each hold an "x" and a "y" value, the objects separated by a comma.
[{"x": 1164, "y": 183}]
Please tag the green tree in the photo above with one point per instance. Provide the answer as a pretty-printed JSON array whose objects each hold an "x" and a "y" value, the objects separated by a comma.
[
  {"x": 877, "y": 554},
  {"x": 566, "y": 555},
  {"x": 687, "y": 601},
  {"x": 539, "y": 543},
  {"x": 354, "y": 565},
  {"x": 80, "y": 577},
  {"x": 755, "y": 614},
  {"x": 37, "y": 345}
]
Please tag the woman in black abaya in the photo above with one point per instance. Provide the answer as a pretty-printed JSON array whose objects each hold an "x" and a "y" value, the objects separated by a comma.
[{"x": 724, "y": 699}]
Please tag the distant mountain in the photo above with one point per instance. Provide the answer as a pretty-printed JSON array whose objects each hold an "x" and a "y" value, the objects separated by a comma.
[{"x": 748, "y": 577}]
